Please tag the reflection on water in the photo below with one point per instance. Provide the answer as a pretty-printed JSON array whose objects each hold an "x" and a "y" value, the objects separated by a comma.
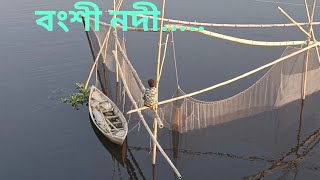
[
  {"x": 290, "y": 161},
  {"x": 120, "y": 155},
  {"x": 181, "y": 150}
]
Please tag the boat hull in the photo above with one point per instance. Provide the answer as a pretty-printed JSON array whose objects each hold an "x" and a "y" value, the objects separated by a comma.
[{"x": 95, "y": 119}]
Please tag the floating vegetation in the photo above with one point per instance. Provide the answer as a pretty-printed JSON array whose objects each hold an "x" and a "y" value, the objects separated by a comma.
[{"x": 81, "y": 97}]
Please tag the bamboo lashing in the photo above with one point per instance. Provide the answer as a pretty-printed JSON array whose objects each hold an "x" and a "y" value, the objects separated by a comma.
[
  {"x": 233, "y": 79},
  {"x": 229, "y": 25},
  {"x": 143, "y": 120},
  {"x": 291, "y": 19},
  {"x": 155, "y": 125},
  {"x": 101, "y": 48}
]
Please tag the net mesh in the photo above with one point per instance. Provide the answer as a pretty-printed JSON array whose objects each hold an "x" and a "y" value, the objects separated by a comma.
[{"x": 282, "y": 84}]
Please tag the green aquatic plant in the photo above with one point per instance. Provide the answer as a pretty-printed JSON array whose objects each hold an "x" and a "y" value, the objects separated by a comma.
[{"x": 82, "y": 97}]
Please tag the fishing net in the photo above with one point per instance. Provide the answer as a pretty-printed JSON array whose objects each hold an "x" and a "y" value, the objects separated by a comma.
[{"x": 282, "y": 84}]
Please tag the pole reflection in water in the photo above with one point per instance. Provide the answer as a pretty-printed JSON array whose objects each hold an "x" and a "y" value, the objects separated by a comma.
[
  {"x": 288, "y": 162},
  {"x": 120, "y": 155}
]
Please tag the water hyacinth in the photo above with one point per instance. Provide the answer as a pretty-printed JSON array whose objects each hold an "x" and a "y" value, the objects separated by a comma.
[{"x": 82, "y": 97}]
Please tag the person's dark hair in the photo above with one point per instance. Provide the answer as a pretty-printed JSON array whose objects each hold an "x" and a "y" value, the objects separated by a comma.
[{"x": 151, "y": 83}]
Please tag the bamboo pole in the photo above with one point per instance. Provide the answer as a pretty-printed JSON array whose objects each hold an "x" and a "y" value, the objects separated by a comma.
[
  {"x": 310, "y": 17},
  {"x": 92, "y": 50},
  {"x": 89, "y": 41},
  {"x": 291, "y": 19},
  {"x": 117, "y": 70},
  {"x": 305, "y": 74},
  {"x": 233, "y": 79},
  {"x": 115, "y": 45},
  {"x": 315, "y": 40},
  {"x": 307, "y": 10},
  {"x": 240, "y": 40},
  {"x": 144, "y": 122},
  {"x": 229, "y": 25},
  {"x": 96, "y": 60},
  {"x": 312, "y": 32},
  {"x": 155, "y": 124},
  {"x": 101, "y": 47}
]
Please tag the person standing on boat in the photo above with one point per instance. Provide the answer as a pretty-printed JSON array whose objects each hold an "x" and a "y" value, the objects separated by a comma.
[{"x": 150, "y": 95}]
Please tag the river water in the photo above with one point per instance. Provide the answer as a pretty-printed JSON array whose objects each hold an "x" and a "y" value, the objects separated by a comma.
[{"x": 42, "y": 138}]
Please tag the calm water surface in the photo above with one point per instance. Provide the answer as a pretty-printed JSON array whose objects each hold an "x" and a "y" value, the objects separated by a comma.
[{"x": 41, "y": 138}]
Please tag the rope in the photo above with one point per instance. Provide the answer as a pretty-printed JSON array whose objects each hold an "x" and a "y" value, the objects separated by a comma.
[
  {"x": 134, "y": 127},
  {"x": 175, "y": 60},
  {"x": 97, "y": 81},
  {"x": 164, "y": 55}
]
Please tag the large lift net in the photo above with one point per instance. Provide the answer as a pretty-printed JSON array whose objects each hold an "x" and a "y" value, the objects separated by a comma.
[{"x": 281, "y": 84}]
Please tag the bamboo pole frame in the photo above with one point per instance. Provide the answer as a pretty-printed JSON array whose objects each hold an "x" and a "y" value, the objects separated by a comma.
[
  {"x": 310, "y": 18},
  {"x": 91, "y": 50},
  {"x": 221, "y": 36},
  {"x": 231, "y": 80},
  {"x": 96, "y": 60},
  {"x": 291, "y": 19},
  {"x": 101, "y": 48},
  {"x": 154, "y": 139}
]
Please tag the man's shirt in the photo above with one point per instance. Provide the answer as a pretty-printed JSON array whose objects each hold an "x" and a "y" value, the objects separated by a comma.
[{"x": 150, "y": 97}]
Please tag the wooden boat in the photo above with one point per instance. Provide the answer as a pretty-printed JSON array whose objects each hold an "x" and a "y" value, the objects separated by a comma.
[{"x": 107, "y": 117}]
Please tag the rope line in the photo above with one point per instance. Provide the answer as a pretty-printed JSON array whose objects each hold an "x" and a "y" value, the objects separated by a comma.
[
  {"x": 164, "y": 55},
  {"x": 175, "y": 59}
]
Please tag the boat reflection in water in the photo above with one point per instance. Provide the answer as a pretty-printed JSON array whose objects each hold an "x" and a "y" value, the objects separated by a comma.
[{"x": 120, "y": 154}]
